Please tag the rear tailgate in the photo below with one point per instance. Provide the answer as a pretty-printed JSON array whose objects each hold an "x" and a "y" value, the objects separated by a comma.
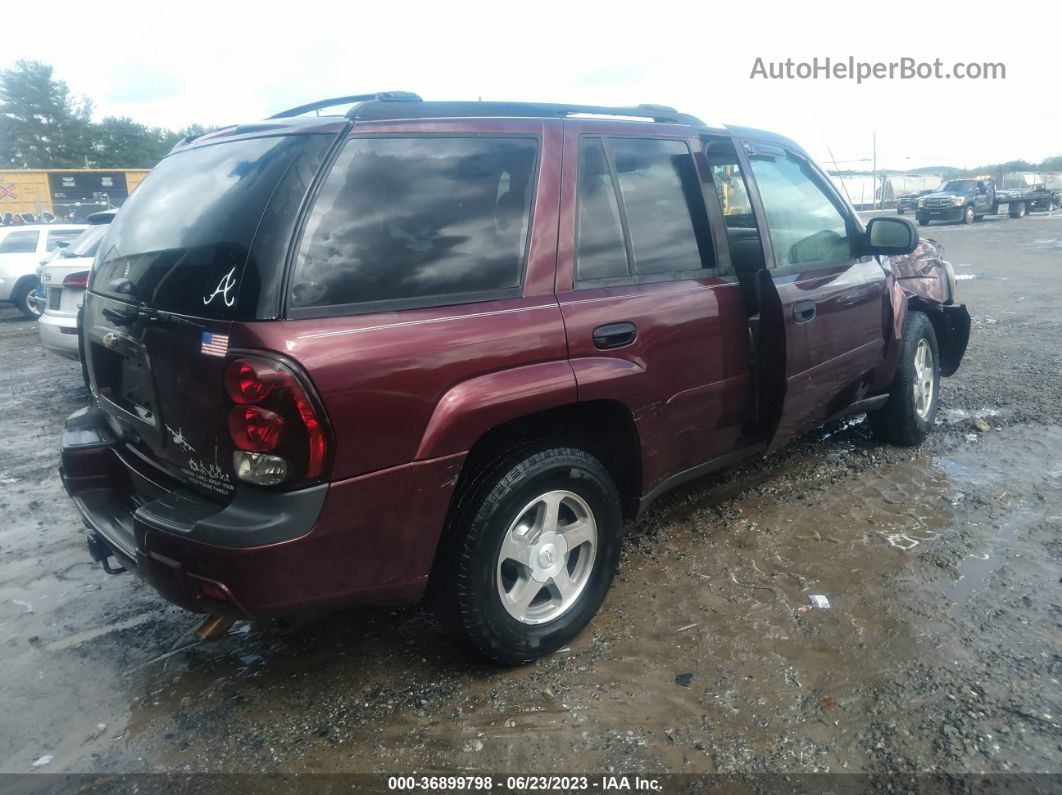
[
  {"x": 198, "y": 247},
  {"x": 159, "y": 378}
]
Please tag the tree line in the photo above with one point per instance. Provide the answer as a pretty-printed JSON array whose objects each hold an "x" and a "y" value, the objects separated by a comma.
[{"x": 43, "y": 125}]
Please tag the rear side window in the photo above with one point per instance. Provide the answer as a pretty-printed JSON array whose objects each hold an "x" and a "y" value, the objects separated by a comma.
[
  {"x": 417, "y": 221},
  {"x": 19, "y": 243},
  {"x": 601, "y": 250},
  {"x": 658, "y": 225},
  {"x": 665, "y": 208}
]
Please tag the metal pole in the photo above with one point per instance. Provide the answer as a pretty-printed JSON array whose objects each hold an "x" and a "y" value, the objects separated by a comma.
[{"x": 875, "y": 168}]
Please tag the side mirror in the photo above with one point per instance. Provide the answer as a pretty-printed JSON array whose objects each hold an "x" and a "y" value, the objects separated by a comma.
[{"x": 890, "y": 236}]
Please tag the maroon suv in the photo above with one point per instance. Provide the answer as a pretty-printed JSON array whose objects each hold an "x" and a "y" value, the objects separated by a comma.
[{"x": 452, "y": 347}]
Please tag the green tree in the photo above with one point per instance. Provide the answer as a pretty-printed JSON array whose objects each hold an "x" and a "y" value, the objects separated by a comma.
[
  {"x": 124, "y": 143},
  {"x": 42, "y": 125}
]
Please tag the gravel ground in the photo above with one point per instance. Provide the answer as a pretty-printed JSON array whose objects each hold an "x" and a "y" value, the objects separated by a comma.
[{"x": 940, "y": 650}]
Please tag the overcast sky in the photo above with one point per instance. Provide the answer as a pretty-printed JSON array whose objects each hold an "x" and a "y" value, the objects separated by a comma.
[{"x": 170, "y": 64}]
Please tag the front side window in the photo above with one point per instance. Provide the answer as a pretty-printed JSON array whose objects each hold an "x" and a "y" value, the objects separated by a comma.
[
  {"x": 19, "y": 243},
  {"x": 805, "y": 227},
  {"x": 420, "y": 220},
  {"x": 746, "y": 250}
]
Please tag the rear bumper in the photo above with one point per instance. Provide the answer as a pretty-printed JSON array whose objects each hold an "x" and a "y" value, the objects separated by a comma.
[
  {"x": 59, "y": 334},
  {"x": 367, "y": 540}
]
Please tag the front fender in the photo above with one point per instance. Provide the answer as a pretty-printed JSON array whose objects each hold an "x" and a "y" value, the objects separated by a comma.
[
  {"x": 924, "y": 281},
  {"x": 471, "y": 408}
]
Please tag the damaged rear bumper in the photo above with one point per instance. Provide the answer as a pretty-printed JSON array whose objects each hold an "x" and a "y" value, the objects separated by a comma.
[{"x": 266, "y": 553}]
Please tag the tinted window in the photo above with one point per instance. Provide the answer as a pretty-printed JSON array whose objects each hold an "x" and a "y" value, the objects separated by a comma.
[
  {"x": 184, "y": 234},
  {"x": 19, "y": 243},
  {"x": 418, "y": 220},
  {"x": 805, "y": 226},
  {"x": 664, "y": 205},
  {"x": 601, "y": 253},
  {"x": 60, "y": 236}
]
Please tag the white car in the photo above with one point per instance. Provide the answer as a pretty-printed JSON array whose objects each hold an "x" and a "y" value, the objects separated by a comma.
[
  {"x": 64, "y": 277},
  {"x": 21, "y": 248}
]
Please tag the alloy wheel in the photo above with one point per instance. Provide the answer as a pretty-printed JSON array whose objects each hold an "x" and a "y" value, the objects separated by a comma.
[
  {"x": 923, "y": 386},
  {"x": 546, "y": 557}
]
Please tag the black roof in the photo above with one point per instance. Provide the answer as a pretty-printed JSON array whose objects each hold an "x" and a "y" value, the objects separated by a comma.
[{"x": 388, "y": 105}]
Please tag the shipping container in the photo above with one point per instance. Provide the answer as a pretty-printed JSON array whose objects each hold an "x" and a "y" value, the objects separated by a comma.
[{"x": 65, "y": 194}]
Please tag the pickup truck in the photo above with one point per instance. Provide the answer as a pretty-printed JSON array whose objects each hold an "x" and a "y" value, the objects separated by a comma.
[
  {"x": 450, "y": 348},
  {"x": 970, "y": 199}
]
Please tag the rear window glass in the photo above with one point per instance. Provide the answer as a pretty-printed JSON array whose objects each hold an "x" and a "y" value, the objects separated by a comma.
[
  {"x": 19, "y": 243},
  {"x": 86, "y": 243},
  {"x": 181, "y": 240},
  {"x": 417, "y": 221}
]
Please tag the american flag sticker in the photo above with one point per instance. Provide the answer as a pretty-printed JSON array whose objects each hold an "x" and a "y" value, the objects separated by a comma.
[{"x": 214, "y": 344}]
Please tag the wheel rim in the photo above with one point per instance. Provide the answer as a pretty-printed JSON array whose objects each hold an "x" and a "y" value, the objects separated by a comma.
[
  {"x": 969, "y": 214},
  {"x": 546, "y": 557},
  {"x": 31, "y": 304},
  {"x": 923, "y": 387}
]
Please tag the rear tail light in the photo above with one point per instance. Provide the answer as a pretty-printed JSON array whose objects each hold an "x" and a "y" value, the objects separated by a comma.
[
  {"x": 79, "y": 279},
  {"x": 254, "y": 428},
  {"x": 275, "y": 423}
]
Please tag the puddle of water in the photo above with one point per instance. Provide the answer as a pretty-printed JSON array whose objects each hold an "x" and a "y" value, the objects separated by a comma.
[{"x": 951, "y": 416}]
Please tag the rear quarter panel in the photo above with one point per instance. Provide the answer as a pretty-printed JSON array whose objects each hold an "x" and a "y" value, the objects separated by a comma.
[{"x": 415, "y": 384}]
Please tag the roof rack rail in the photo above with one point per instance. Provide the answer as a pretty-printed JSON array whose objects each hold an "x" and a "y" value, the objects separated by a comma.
[
  {"x": 396, "y": 108},
  {"x": 381, "y": 96}
]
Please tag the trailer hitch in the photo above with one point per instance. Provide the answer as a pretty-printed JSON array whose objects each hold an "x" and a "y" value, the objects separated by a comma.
[{"x": 101, "y": 553}]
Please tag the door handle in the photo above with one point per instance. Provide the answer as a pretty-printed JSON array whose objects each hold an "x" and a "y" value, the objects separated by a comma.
[
  {"x": 803, "y": 311},
  {"x": 614, "y": 335}
]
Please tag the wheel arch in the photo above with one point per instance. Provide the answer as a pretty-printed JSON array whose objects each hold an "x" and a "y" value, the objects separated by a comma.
[
  {"x": 603, "y": 428},
  {"x": 23, "y": 282}
]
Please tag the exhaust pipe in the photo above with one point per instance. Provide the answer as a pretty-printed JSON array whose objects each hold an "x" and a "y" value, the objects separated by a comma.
[{"x": 214, "y": 627}]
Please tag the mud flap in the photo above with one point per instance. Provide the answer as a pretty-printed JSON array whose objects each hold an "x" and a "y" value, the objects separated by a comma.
[
  {"x": 955, "y": 337},
  {"x": 770, "y": 377}
]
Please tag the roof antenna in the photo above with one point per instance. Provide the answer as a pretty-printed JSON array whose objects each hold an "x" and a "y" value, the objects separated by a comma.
[{"x": 835, "y": 168}]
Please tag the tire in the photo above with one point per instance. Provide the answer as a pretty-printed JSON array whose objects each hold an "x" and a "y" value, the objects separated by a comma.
[
  {"x": 922, "y": 221},
  {"x": 22, "y": 297},
  {"x": 908, "y": 416},
  {"x": 1017, "y": 211},
  {"x": 515, "y": 612},
  {"x": 968, "y": 215}
]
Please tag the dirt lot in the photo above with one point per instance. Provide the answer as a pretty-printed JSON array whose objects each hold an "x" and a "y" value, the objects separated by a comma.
[{"x": 940, "y": 651}]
